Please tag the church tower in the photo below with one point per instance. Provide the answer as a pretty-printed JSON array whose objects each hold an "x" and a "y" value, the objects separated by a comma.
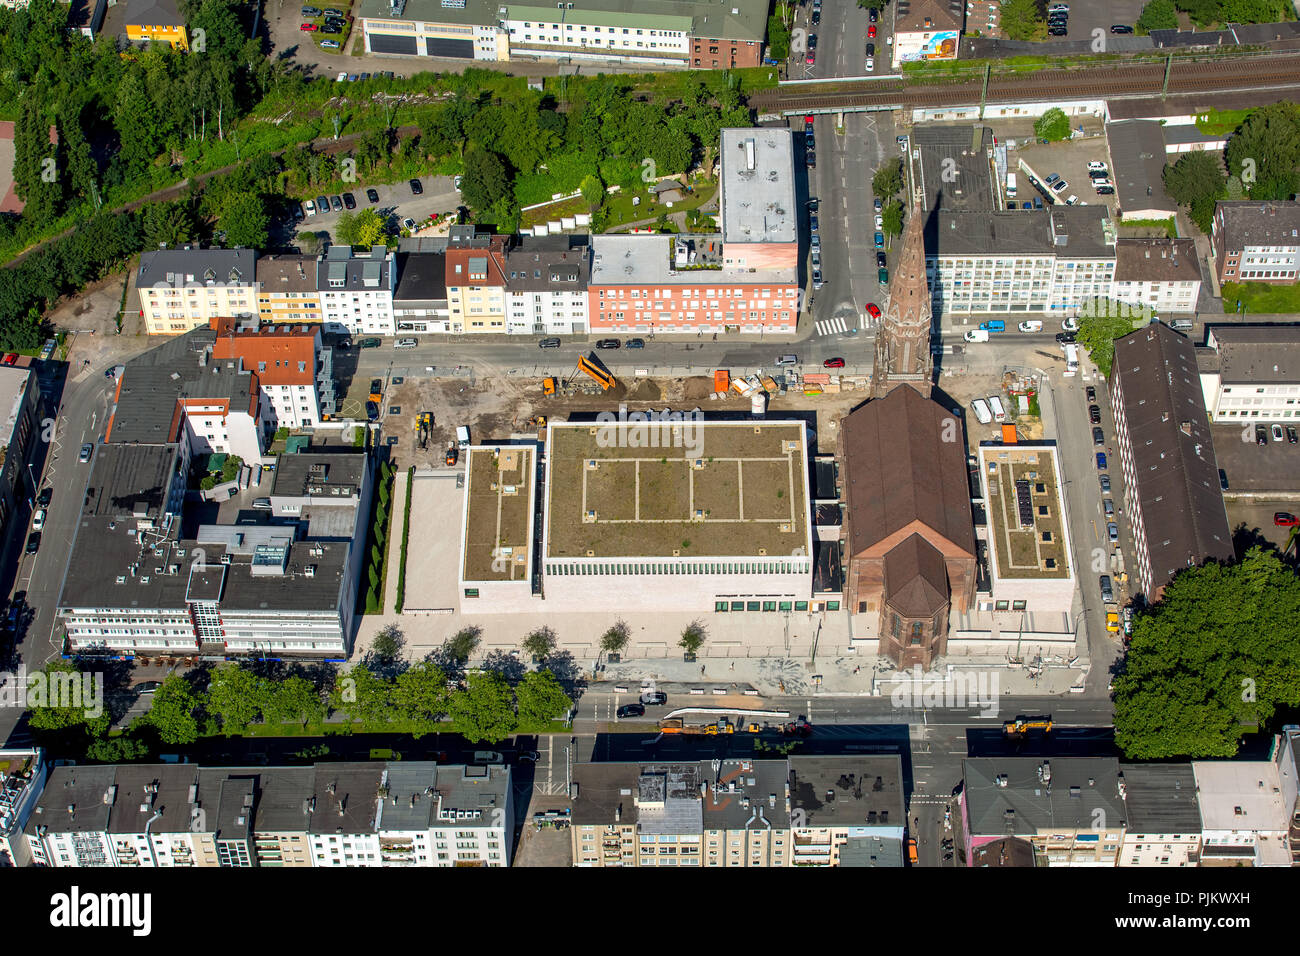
[{"x": 903, "y": 341}]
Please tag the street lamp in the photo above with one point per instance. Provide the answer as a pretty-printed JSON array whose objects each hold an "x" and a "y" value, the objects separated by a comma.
[{"x": 31, "y": 497}]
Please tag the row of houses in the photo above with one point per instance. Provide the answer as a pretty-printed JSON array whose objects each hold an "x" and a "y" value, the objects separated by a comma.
[{"x": 379, "y": 813}]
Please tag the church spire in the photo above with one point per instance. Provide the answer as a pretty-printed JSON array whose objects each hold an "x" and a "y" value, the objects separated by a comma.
[{"x": 903, "y": 342}]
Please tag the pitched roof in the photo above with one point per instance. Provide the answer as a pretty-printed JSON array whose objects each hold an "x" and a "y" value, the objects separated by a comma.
[
  {"x": 1156, "y": 260},
  {"x": 916, "y": 581},
  {"x": 1259, "y": 224},
  {"x": 900, "y": 470},
  {"x": 278, "y": 354}
]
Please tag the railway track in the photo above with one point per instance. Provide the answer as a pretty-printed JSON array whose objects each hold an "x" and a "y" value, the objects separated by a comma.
[{"x": 1280, "y": 72}]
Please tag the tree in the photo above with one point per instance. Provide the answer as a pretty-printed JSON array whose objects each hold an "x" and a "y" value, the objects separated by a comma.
[
  {"x": 1158, "y": 15},
  {"x": 420, "y": 693},
  {"x": 122, "y": 749},
  {"x": 1220, "y": 651},
  {"x": 593, "y": 191},
  {"x": 693, "y": 638},
  {"x": 366, "y": 228},
  {"x": 1052, "y": 126},
  {"x": 295, "y": 700},
  {"x": 1100, "y": 324},
  {"x": 485, "y": 710},
  {"x": 166, "y": 222},
  {"x": 891, "y": 217},
  {"x": 237, "y": 696},
  {"x": 172, "y": 713},
  {"x": 51, "y": 687},
  {"x": 888, "y": 180},
  {"x": 1022, "y": 20},
  {"x": 540, "y": 699},
  {"x": 1203, "y": 12},
  {"x": 1265, "y": 151},
  {"x": 363, "y": 695},
  {"x": 539, "y": 642},
  {"x": 1196, "y": 180},
  {"x": 245, "y": 220},
  {"x": 778, "y": 38},
  {"x": 485, "y": 180},
  {"x": 388, "y": 643},
  {"x": 615, "y": 639}
]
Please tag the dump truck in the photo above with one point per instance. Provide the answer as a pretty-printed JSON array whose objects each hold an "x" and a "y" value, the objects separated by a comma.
[
  {"x": 548, "y": 385},
  {"x": 594, "y": 367},
  {"x": 1023, "y": 725},
  {"x": 425, "y": 423},
  {"x": 376, "y": 390}
]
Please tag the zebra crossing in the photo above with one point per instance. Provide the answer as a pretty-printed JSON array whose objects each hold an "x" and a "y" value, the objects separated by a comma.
[{"x": 832, "y": 326}]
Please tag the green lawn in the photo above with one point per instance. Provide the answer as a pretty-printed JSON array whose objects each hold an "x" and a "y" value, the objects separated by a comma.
[
  {"x": 621, "y": 211},
  {"x": 1260, "y": 297},
  {"x": 1170, "y": 225},
  {"x": 555, "y": 210},
  {"x": 1216, "y": 122}
]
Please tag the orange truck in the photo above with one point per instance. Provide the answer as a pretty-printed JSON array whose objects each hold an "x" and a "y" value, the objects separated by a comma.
[{"x": 911, "y": 851}]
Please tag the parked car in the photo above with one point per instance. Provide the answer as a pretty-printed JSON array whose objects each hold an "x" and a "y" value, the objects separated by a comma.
[
  {"x": 349, "y": 201},
  {"x": 1108, "y": 506},
  {"x": 372, "y": 195},
  {"x": 1065, "y": 338},
  {"x": 416, "y": 188},
  {"x": 880, "y": 259},
  {"x": 807, "y": 122},
  {"x": 1097, "y": 165},
  {"x": 1032, "y": 325},
  {"x": 635, "y": 344},
  {"x": 1223, "y": 479},
  {"x": 976, "y": 335},
  {"x": 33, "y": 542},
  {"x": 654, "y": 698},
  {"x": 1105, "y": 190},
  {"x": 38, "y": 520},
  {"x": 1060, "y": 186},
  {"x": 1291, "y": 435},
  {"x": 870, "y": 65},
  {"x": 1094, "y": 414},
  {"x": 816, "y": 16},
  {"x": 1261, "y": 435},
  {"x": 408, "y": 224},
  {"x": 309, "y": 12},
  {"x": 1112, "y": 532},
  {"x": 551, "y": 343},
  {"x": 369, "y": 344},
  {"x": 833, "y": 363},
  {"x": 882, "y": 277},
  {"x": 1098, "y": 436},
  {"x": 631, "y": 710},
  {"x": 1104, "y": 481},
  {"x": 329, "y": 44},
  {"x": 879, "y": 240},
  {"x": 1107, "y": 592},
  {"x": 817, "y": 279},
  {"x": 811, "y": 159},
  {"x": 1101, "y": 461},
  {"x": 873, "y": 310},
  {"x": 1276, "y": 431},
  {"x": 871, "y": 31},
  {"x": 1053, "y": 177},
  {"x": 310, "y": 207},
  {"x": 1121, "y": 28},
  {"x": 1091, "y": 393},
  {"x": 336, "y": 203},
  {"x": 608, "y": 344},
  {"x": 1285, "y": 519},
  {"x": 406, "y": 343},
  {"x": 372, "y": 411},
  {"x": 878, "y": 204},
  {"x": 787, "y": 360},
  {"x": 871, "y": 49},
  {"x": 45, "y": 497},
  {"x": 812, "y": 222},
  {"x": 86, "y": 451},
  {"x": 322, "y": 204},
  {"x": 872, "y": 14},
  {"x": 308, "y": 27},
  {"x": 811, "y": 56}
]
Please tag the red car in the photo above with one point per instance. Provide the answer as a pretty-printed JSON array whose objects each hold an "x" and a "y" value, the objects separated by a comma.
[
  {"x": 1284, "y": 519},
  {"x": 309, "y": 27},
  {"x": 873, "y": 310},
  {"x": 871, "y": 31},
  {"x": 811, "y": 58},
  {"x": 808, "y": 122},
  {"x": 833, "y": 363}
]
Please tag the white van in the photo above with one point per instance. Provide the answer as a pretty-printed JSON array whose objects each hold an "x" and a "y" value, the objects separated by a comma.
[
  {"x": 1011, "y": 185},
  {"x": 1071, "y": 359},
  {"x": 977, "y": 335},
  {"x": 999, "y": 413},
  {"x": 981, "y": 409},
  {"x": 462, "y": 436}
]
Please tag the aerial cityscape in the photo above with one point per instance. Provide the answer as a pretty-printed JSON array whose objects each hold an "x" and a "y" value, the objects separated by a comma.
[{"x": 444, "y": 433}]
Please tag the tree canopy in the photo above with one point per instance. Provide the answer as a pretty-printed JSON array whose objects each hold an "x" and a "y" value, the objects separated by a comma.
[
  {"x": 1158, "y": 15},
  {"x": 1218, "y": 653},
  {"x": 1053, "y": 125},
  {"x": 1264, "y": 152},
  {"x": 485, "y": 710},
  {"x": 1197, "y": 181}
]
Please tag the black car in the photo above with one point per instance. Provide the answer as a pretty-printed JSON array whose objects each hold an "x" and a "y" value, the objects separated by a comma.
[
  {"x": 1105, "y": 190},
  {"x": 631, "y": 710},
  {"x": 813, "y": 204},
  {"x": 551, "y": 343},
  {"x": 881, "y": 262},
  {"x": 365, "y": 76},
  {"x": 1065, "y": 338},
  {"x": 349, "y": 201},
  {"x": 1091, "y": 393},
  {"x": 1094, "y": 414},
  {"x": 812, "y": 41},
  {"x": 1105, "y": 484},
  {"x": 1223, "y": 479},
  {"x": 608, "y": 344},
  {"x": 817, "y": 16},
  {"x": 33, "y": 542},
  {"x": 45, "y": 496},
  {"x": 812, "y": 222},
  {"x": 322, "y": 204},
  {"x": 636, "y": 343},
  {"x": 872, "y": 15},
  {"x": 871, "y": 49},
  {"x": 416, "y": 188},
  {"x": 372, "y": 195},
  {"x": 336, "y": 203},
  {"x": 1291, "y": 435},
  {"x": 1056, "y": 31},
  {"x": 1098, "y": 436},
  {"x": 811, "y": 159},
  {"x": 1261, "y": 435},
  {"x": 1121, "y": 28},
  {"x": 372, "y": 412}
]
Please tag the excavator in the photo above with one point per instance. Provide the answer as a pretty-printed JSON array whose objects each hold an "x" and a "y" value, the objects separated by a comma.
[
  {"x": 1023, "y": 725},
  {"x": 425, "y": 423}
]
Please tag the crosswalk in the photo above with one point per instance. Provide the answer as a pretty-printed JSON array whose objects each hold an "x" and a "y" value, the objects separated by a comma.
[{"x": 832, "y": 326}]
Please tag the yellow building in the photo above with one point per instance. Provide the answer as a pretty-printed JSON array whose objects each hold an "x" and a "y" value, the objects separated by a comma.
[{"x": 156, "y": 20}]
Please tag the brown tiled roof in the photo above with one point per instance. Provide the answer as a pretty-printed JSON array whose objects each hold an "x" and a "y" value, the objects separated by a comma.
[
  {"x": 916, "y": 580},
  {"x": 1156, "y": 260},
  {"x": 900, "y": 470},
  {"x": 289, "y": 352}
]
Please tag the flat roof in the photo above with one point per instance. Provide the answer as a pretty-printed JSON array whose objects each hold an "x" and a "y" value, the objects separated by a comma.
[
  {"x": 848, "y": 790},
  {"x": 74, "y": 800},
  {"x": 421, "y": 277},
  {"x": 13, "y": 387},
  {"x": 474, "y": 791},
  {"x": 1037, "y": 794},
  {"x": 1161, "y": 798},
  {"x": 1137, "y": 153},
  {"x": 646, "y": 260},
  {"x": 1239, "y": 795},
  {"x": 499, "y": 497},
  {"x": 468, "y": 12},
  {"x": 1256, "y": 354},
  {"x": 713, "y": 489},
  {"x": 1086, "y": 232},
  {"x": 961, "y": 152},
  {"x": 319, "y": 474},
  {"x": 1039, "y": 548},
  {"x": 346, "y": 797},
  {"x": 286, "y": 275},
  {"x": 757, "y": 185}
]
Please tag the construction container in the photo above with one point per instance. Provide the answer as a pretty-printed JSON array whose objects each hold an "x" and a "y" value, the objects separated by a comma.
[{"x": 721, "y": 380}]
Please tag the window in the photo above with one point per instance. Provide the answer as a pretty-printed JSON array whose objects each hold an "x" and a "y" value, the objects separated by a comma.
[{"x": 719, "y": 605}]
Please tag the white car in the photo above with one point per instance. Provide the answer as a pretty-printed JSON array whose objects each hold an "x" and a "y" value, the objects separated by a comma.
[
  {"x": 1070, "y": 325},
  {"x": 455, "y": 183},
  {"x": 310, "y": 207},
  {"x": 1096, "y": 165},
  {"x": 871, "y": 64},
  {"x": 880, "y": 221},
  {"x": 406, "y": 344},
  {"x": 1033, "y": 325},
  {"x": 38, "y": 522},
  {"x": 342, "y": 77},
  {"x": 1072, "y": 200},
  {"x": 408, "y": 224}
]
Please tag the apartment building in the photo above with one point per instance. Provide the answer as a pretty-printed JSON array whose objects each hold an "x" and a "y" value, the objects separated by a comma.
[
  {"x": 328, "y": 815},
  {"x": 356, "y": 290},
  {"x": 1050, "y": 261},
  {"x": 1257, "y": 241},
  {"x": 758, "y": 212},
  {"x": 546, "y": 282},
  {"x": 1246, "y": 811},
  {"x": 156, "y": 21},
  {"x": 185, "y": 288},
  {"x": 420, "y": 299},
  {"x": 22, "y": 779},
  {"x": 927, "y": 30},
  {"x": 20, "y": 433},
  {"x": 286, "y": 289},
  {"x": 1164, "y": 816},
  {"x": 1251, "y": 373},
  {"x": 1161, "y": 274},
  {"x": 1172, "y": 497},
  {"x": 286, "y": 361},
  {"x": 739, "y": 813},
  {"x": 476, "y": 283},
  {"x": 1071, "y": 809}
]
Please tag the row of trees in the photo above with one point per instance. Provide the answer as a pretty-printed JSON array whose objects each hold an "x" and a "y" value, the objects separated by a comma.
[{"x": 886, "y": 184}]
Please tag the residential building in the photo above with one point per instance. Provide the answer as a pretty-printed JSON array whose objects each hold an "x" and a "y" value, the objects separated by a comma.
[
  {"x": 1164, "y": 817},
  {"x": 1071, "y": 809},
  {"x": 1245, "y": 813},
  {"x": 20, "y": 433},
  {"x": 420, "y": 299},
  {"x": 1288, "y": 763},
  {"x": 282, "y": 586},
  {"x": 903, "y": 354},
  {"x": 156, "y": 21},
  {"x": 356, "y": 291},
  {"x": 1007, "y": 852},
  {"x": 927, "y": 30},
  {"x": 649, "y": 515},
  {"x": 1172, "y": 497},
  {"x": 22, "y": 780},
  {"x": 1053, "y": 260},
  {"x": 476, "y": 282},
  {"x": 1161, "y": 274},
  {"x": 184, "y": 288},
  {"x": 1251, "y": 373},
  {"x": 800, "y": 811},
  {"x": 286, "y": 361},
  {"x": 328, "y": 815},
  {"x": 759, "y": 214},
  {"x": 955, "y": 167},
  {"x": 1137, "y": 163},
  {"x": 287, "y": 289},
  {"x": 1257, "y": 241},
  {"x": 546, "y": 285},
  {"x": 909, "y": 533}
]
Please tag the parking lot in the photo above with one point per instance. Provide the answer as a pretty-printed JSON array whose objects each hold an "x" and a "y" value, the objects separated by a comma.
[
  {"x": 1099, "y": 15},
  {"x": 396, "y": 202},
  {"x": 1254, "y": 516},
  {"x": 1254, "y": 469},
  {"x": 1070, "y": 161}
]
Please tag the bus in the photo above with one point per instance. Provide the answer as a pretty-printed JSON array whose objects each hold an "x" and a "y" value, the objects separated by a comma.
[{"x": 1071, "y": 359}]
